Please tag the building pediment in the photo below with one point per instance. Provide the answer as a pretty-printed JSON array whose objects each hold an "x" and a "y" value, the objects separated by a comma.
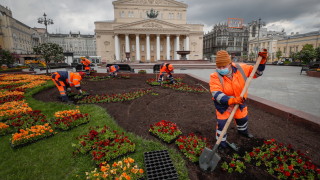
[
  {"x": 168, "y": 3},
  {"x": 151, "y": 24}
]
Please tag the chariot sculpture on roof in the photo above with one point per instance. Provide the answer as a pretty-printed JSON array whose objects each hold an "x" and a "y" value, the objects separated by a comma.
[{"x": 153, "y": 14}]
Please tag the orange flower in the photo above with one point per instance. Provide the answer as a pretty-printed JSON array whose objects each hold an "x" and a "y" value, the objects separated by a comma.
[{"x": 141, "y": 171}]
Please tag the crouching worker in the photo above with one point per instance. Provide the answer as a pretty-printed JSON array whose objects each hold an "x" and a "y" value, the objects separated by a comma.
[
  {"x": 64, "y": 80},
  {"x": 166, "y": 68},
  {"x": 86, "y": 63},
  {"x": 226, "y": 86},
  {"x": 113, "y": 70}
]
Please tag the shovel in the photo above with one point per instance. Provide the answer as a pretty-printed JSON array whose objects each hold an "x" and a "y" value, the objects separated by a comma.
[{"x": 209, "y": 158}]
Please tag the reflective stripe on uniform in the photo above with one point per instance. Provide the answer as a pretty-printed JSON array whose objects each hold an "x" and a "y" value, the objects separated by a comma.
[
  {"x": 69, "y": 77},
  {"x": 220, "y": 96}
]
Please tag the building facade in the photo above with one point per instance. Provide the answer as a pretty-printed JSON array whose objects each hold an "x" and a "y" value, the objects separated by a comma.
[
  {"x": 222, "y": 37},
  {"x": 16, "y": 36},
  {"x": 148, "y": 31},
  {"x": 295, "y": 42}
]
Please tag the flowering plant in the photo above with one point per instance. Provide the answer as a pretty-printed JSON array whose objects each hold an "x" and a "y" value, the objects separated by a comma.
[
  {"x": 235, "y": 165},
  {"x": 69, "y": 119},
  {"x": 192, "y": 146},
  {"x": 282, "y": 161},
  {"x": 154, "y": 82},
  {"x": 32, "y": 134},
  {"x": 13, "y": 108},
  {"x": 114, "y": 98},
  {"x": 124, "y": 169},
  {"x": 4, "y": 129},
  {"x": 142, "y": 72},
  {"x": 104, "y": 144},
  {"x": 165, "y": 130},
  {"x": 30, "y": 118},
  {"x": 8, "y": 96},
  {"x": 184, "y": 87}
]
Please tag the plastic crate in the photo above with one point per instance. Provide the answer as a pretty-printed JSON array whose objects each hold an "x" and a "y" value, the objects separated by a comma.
[{"x": 159, "y": 166}]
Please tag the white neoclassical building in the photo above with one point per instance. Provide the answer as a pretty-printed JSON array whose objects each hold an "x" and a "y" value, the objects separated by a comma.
[{"x": 148, "y": 31}]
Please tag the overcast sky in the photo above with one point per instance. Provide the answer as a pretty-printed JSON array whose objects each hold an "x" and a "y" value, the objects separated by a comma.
[{"x": 79, "y": 15}]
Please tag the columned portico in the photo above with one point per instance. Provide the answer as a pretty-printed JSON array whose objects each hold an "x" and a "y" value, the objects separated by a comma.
[
  {"x": 138, "y": 57},
  {"x": 148, "y": 47}
]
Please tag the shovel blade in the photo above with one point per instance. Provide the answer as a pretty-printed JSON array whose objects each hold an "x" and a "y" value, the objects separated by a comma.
[{"x": 209, "y": 159}]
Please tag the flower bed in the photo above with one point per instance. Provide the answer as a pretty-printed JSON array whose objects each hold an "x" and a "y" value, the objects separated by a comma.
[
  {"x": 13, "y": 108},
  {"x": 31, "y": 135},
  {"x": 114, "y": 98},
  {"x": 165, "y": 130},
  {"x": 104, "y": 144},
  {"x": 101, "y": 78},
  {"x": 283, "y": 161},
  {"x": 4, "y": 129},
  {"x": 26, "y": 120},
  {"x": 154, "y": 82},
  {"x": 192, "y": 146},
  {"x": 184, "y": 87},
  {"x": 68, "y": 119},
  {"x": 124, "y": 169}
]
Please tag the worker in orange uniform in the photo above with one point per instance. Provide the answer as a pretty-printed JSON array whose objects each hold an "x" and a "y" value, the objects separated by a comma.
[
  {"x": 113, "y": 70},
  {"x": 226, "y": 86},
  {"x": 66, "y": 79},
  {"x": 166, "y": 68},
  {"x": 86, "y": 63}
]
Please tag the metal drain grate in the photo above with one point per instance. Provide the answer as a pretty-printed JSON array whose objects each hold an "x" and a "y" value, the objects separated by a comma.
[{"x": 159, "y": 166}]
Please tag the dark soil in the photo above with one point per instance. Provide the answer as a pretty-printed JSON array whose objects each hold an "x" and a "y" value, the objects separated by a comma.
[{"x": 195, "y": 113}]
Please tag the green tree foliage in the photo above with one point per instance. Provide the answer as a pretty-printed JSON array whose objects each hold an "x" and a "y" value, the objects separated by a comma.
[
  {"x": 49, "y": 52},
  {"x": 318, "y": 53},
  {"x": 278, "y": 54},
  {"x": 6, "y": 57},
  {"x": 307, "y": 54}
]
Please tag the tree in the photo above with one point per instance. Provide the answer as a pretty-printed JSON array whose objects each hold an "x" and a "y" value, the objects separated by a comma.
[
  {"x": 307, "y": 54},
  {"x": 317, "y": 53},
  {"x": 278, "y": 54},
  {"x": 49, "y": 52},
  {"x": 6, "y": 57}
]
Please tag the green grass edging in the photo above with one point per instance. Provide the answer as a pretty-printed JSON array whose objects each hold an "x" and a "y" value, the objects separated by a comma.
[{"x": 52, "y": 158}]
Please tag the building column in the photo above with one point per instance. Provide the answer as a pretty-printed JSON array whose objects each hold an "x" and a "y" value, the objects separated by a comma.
[
  {"x": 116, "y": 47},
  {"x": 168, "y": 46},
  {"x": 148, "y": 47},
  {"x": 138, "y": 58},
  {"x": 187, "y": 46},
  {"x": 158, "y": 47},
  {"x": 177, "y": 47},
  {"x": 127, "y": 43}
]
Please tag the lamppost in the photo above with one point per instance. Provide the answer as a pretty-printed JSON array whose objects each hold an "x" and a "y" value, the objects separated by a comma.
[
  {"x": 258, "y": 24},
  {"x": 45, "y": 21}
]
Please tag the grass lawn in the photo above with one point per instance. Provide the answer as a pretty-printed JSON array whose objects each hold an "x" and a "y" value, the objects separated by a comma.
[{"x": 52, "y": 158}]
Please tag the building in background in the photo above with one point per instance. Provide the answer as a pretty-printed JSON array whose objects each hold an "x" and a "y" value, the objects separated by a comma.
[
  {"x": 148, "y": 31},
  {"x": 15, "y": 36},
  {"x": 226, "y": 37},
  {"x": 76, "y": 43},
  {"x": 295, "y": 42}
]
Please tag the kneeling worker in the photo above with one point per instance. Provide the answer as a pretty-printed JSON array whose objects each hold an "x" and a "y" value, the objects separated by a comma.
[
  {"x": 166, "y": 68},
  {"x": 86, "y": 63},
  {"x": 66, "y": 79},
  {"x": 113, "y": 70}
]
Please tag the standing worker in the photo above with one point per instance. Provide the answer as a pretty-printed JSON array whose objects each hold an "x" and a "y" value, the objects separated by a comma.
[
  {"x": 166, "y": 68},
  {"x": 113, "y": 70},
  {"x": 66, "y": 79},
  {"x": 226, "y": 86},
  {"x": 86, "y": 63}
]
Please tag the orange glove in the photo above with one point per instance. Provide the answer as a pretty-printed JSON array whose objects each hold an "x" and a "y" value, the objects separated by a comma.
[
  {"x": 236, "y": 100},
  {"x": 264, "y": 56}
]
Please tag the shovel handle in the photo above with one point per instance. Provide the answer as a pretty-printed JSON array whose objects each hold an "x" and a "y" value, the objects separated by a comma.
[{"x": 244, "y": 90}]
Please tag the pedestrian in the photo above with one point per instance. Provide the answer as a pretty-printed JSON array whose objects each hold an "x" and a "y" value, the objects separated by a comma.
[
  {"x": 166, "y": 68},
  {"x": 226, "y": 86},
  {"x": 113, "y": 70},
  {"x": 86, "y": 63},
  {"x": 64, "y": 80}
]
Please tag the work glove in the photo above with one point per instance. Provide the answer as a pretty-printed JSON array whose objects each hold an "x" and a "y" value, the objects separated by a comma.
[
  {"x": 264, "y": 56},
  {"x": 68, "y": 89},
  {"x": 236, "y": 100}
]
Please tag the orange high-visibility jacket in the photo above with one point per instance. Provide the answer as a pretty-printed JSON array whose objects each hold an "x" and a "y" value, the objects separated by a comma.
[
  {"x": 222, "y": 92},
  {"x": 165, "y": 68},
  {"x": 86, "y": 62}
]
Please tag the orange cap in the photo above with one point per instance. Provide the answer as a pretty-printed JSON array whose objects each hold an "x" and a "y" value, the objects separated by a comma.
[{"x": 223, "y": 58}]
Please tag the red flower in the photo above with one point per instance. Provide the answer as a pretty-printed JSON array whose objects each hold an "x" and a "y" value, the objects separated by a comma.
[
  {"x": 286, "y": 173},
  {"x": 252, "y": 154},
  {"x": 290, "y": 167},
  {"x": 181, "y": 147},
  {"x": 232, "y": 165}
]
